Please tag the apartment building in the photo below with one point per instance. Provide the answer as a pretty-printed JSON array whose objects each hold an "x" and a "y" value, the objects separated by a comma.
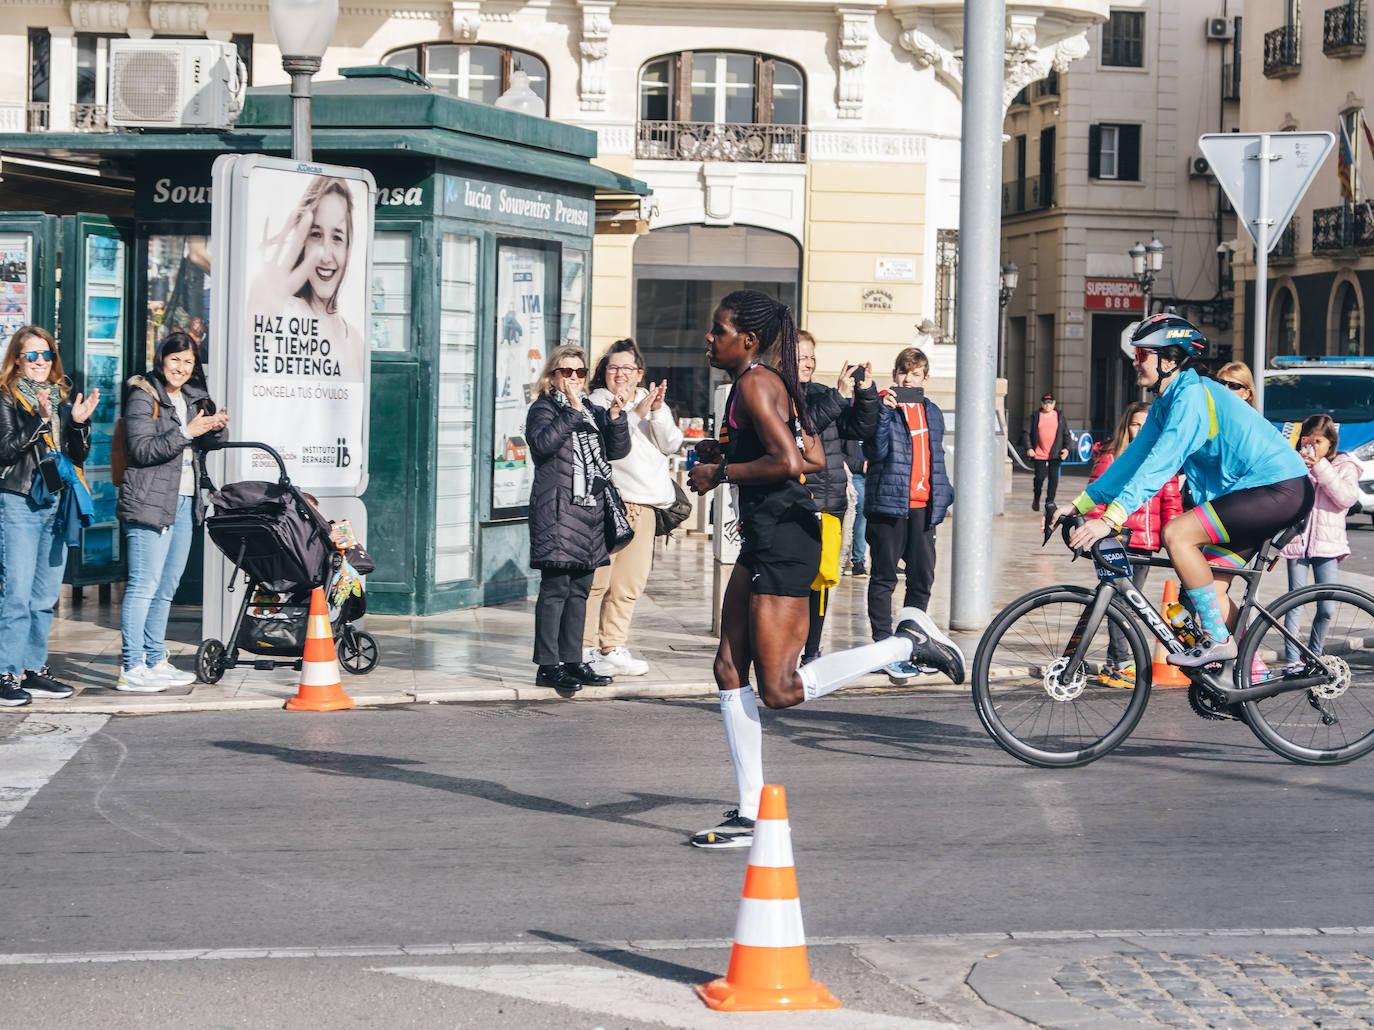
[{"x": 1103, "y": 156}]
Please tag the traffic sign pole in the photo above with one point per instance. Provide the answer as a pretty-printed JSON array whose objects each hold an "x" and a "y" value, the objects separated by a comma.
[{"x": 1262, "y": 224}]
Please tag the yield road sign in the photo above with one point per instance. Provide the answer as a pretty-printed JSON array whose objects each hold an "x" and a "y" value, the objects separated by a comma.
[{"x": 1293, "y": 159}]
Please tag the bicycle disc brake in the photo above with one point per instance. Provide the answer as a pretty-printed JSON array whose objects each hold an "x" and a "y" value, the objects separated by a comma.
[
  {"x": 1057, "y": 688},
  {"x": 1339, "y": 671},
  {"x": 1208, "y": 707}
]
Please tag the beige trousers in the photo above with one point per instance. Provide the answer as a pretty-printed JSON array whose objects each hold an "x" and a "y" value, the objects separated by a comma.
[{"x": 617, "y": 586}]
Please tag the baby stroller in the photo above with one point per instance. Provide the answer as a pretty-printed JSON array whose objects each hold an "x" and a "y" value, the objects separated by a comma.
[{"x": 285, "y": 549}]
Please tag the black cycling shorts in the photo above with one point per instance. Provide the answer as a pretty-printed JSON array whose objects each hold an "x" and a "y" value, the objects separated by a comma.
[
  {"x": 1240, "y": 522},
  {"x": 787, "y": 565}
]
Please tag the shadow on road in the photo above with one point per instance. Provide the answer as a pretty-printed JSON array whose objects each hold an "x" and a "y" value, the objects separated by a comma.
[{"x": 633, "y": 961}]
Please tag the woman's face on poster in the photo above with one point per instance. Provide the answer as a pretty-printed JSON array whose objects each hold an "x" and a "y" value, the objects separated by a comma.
[{"x": 326, "y": 246}]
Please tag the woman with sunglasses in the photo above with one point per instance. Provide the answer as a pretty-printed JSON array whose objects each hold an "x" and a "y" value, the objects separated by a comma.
[
  {"x": 1247, "y": 481},
  {"x": 43, "y": 439},
  {"x": 168, "y": 420},
  {"x": 1236, "y": 377},
  {"x": 571, "y": 443}
]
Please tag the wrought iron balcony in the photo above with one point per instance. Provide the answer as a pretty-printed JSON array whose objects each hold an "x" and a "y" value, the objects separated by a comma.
[
  {"x": 707, "y": 141},
  {"x": 1033, "y": 193},
  {"x": 1343, "y": 30},
  {"x": 1364, "y": 225},
  {"x": 88, "y": 118},
  {"x": 1285, "y": 252},
  {"x": 1283, "y": 52},
  {"x": 1333, "y": 228}
]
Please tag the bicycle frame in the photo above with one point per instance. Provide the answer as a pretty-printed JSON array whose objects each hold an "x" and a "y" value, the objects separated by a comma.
[{"x": 1116, "y": 582}]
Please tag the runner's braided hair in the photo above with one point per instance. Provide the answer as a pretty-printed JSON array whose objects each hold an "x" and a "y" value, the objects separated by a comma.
[{"x": 771, "y": 321}]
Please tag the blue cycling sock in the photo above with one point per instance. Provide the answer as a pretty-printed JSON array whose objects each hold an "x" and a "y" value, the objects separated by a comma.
[{"x": 1209, "y": 613}]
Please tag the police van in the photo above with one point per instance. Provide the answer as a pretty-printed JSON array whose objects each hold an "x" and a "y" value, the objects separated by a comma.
[{"x": 1343, "y": 388}]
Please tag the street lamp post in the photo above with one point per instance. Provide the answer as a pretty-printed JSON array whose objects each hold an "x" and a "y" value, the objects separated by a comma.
[
  {"x": 1011, "y": 275},
  {"x": 1146, "y": 261},
  {"x": 302, "y": 28}
]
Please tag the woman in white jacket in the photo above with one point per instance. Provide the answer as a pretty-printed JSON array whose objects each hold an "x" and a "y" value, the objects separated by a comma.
[{"x": 645, "y": 483}]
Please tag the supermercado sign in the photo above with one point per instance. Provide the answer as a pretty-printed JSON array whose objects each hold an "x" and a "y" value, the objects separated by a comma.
[
  {"x": 1112, "y": 295},
  {"x": 465, "y": 197}
]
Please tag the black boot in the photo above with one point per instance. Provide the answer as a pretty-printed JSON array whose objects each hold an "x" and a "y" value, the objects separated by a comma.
[
  {"x": 581, "y": 672},
  {"x": 556, "y": 676}
]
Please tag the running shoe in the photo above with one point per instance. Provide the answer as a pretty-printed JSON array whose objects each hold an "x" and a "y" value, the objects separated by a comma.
[
  {"x": 901, "y": 672},
  {"x": 165, "y": 670},
  {"x": 733, "y": 831},
  {"x": 12, "y": 695},
  {"x": 139, "y": 680},
  {"x": 618, "y": 661},
  {"x": 43, "y": 684},
  {"x": 1120, "y": 677},
  {"x": 1205, "y": 653},
  {"x": 928, "y": 645},
  {"x": 1259, "y": 672}
]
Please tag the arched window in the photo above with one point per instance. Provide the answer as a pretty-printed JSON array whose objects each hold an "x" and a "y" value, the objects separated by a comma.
[
  {"x": 471, "y": 71},
  {"x": 1348, "y": 323},
  {"x": 721, "y": 105},
  {"x": 1283, "y": 323}
]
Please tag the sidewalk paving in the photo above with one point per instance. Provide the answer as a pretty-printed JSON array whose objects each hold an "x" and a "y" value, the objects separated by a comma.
[{"x": 484, "y": 654}]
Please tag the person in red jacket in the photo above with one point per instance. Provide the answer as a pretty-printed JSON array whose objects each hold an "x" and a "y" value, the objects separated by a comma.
[{"x": 1145, "y": 525}]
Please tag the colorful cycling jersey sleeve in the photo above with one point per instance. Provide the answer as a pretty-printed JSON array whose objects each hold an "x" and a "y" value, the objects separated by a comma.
[{"x": 1219, "y": 441}]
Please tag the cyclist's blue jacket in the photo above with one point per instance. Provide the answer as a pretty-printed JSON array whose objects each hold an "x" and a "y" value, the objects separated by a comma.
[{"x": 1221, "y": 444}]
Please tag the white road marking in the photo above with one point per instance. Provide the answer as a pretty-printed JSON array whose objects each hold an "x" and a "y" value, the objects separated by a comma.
[
  {"x": 36, "y": 752},
  {"x": 628, "y": 995}
]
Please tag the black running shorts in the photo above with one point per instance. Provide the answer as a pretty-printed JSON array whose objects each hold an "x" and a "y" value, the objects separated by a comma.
[
  {"x": 1239, "y": 523},
  {"x": 787, "y": 566}
]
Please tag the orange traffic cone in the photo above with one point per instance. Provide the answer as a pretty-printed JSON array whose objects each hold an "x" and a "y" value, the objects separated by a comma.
[
  {"x": 768, "y": 968},
  {"x": 321, "y": 689},
  {"x": 1164, "y": 674}
]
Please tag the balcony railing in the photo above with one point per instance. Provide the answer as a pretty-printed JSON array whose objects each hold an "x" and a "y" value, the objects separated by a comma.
[
  {"x": 707, "y": 141},
  {"x": 38, "y": 117},
  {"x": 85, "y": 117},
  {"x": 1333, "y": 228},
  {"x": 1285, "y": 252},
  {"x": 1283, "y": 52},
  {"x": 1034, "y": 193},
  {"x": 1343, "y": 30}
]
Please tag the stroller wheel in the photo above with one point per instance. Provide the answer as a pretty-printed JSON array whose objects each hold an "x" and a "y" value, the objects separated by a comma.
[
  {"x": 358, "y": 652},
  {"x": 210, "y": 661}
]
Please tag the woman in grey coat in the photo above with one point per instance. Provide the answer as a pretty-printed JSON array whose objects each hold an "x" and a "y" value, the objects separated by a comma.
[
  {"x": 570, "y": 441},
  {"x": 166, "y": 419}
]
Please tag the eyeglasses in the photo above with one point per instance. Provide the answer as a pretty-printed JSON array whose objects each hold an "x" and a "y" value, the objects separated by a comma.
[
  {"x": 621, "y": 370},
  {"x": 1231, "y": 384},
  {"x": 573, "y": 373},
  {"x": 36, "y": 355},
  {"x": 1142, "y": 354}
]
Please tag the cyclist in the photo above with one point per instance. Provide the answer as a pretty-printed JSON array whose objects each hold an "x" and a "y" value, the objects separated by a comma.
[{"x": 1247, "y": 481}]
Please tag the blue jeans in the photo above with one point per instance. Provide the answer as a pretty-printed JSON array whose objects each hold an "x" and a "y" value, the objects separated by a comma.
[
  {"x": 858, "y": 550},
  {"x": 32, "y": 560},
  {"x": 1324, "y": 570},
  {"x": 156, "y": 562}
]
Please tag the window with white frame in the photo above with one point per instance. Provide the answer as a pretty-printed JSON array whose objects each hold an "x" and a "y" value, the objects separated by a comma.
[{"x": 473, "y": 72}]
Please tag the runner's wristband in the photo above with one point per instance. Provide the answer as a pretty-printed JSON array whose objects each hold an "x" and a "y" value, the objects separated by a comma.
[{"x": 722, "y": 470}]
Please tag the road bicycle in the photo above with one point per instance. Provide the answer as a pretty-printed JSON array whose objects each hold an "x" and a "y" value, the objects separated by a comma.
[{"x": 1309, "y": 697}]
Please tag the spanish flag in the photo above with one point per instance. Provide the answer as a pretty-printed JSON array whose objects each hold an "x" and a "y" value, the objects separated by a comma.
[{"x": 1345, "y": 166}]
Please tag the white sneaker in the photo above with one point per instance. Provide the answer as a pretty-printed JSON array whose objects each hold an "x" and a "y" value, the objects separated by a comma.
[
  {"x": 619, "y": 662},
  {"x": 140, "y": 680},
  {"x": 170, "y": 674}
]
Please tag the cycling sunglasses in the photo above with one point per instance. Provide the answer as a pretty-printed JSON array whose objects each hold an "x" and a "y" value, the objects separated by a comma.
[
  {"x": 573, "y": 373},
  {"x": 1231, "y": 384},
  {"x": 36, "y": 355},
  {"x": 1141, "y": 353}
]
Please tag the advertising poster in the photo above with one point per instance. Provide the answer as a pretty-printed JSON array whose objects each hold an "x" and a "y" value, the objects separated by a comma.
[
  {"x": 520, "y": 291},
  {"x": 300, "y": 358},
  {"x": 15, "y": 298}
]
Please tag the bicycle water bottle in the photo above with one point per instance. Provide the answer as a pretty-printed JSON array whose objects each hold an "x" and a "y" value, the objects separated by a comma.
[{"x": 1182, "y": 622}]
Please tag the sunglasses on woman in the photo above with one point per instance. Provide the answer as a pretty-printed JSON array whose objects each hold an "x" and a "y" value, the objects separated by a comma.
[
  {"x": 1231, "y": 384},
  {"x": 572, "y": 373},
  {"x": 36, "y": 355}
]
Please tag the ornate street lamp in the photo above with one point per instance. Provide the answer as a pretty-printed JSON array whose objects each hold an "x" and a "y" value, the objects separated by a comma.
[
  {"x": 1146, "y": 261},
  {"x": 1011, "y": 275},
  {"x": 303, "y": 29}
]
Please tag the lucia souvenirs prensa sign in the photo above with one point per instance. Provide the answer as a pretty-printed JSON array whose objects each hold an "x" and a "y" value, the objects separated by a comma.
[{"x": 298, "y": 366}]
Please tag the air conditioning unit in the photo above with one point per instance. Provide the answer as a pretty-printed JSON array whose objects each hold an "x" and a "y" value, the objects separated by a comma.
[
  {"x": 1219, "y": 28},
  {"x": 1198, "y": 166},
  {"x": 174, "y": 84}
]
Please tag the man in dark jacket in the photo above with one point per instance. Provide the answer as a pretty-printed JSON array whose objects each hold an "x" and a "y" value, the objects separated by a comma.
[
  {"x": 907, "y": 495},
  {"x": 849, "y": 412},
  {"x": 1047, "y": 444}
]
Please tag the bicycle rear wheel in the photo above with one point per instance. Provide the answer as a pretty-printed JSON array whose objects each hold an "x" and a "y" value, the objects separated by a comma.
[
  {"x": 1329, "y": 723},
  {"x": 1021, "y": 699}
]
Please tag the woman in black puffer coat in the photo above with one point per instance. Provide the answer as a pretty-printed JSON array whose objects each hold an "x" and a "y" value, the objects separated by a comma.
[{"x": 571, "y": 443}]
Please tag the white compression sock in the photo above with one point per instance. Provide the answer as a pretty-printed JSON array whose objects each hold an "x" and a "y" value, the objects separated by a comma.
[
  {"x": 830, "y": 672},
  {"x": 739, "y": 710}
]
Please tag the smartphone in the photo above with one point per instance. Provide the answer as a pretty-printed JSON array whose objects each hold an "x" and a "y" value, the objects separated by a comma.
[
  {"x": 857, "y": 374},
  {"x": 909, "y": 394},
  {"x": 52, "y": 479}
]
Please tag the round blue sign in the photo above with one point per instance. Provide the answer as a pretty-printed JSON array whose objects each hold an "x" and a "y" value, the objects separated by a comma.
[{"x": 1085, "y": 446}]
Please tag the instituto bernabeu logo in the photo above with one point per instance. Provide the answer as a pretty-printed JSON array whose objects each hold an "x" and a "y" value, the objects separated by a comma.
[{"x": 335, "y": 455}]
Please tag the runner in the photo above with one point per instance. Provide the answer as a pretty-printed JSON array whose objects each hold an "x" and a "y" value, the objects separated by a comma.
[
  {"x": 1247, "y": 481},
  {"x": 768, "y": 442}
]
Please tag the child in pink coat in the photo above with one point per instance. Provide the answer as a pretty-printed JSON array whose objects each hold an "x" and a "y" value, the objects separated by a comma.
[{"x": 1322, "y": 543}]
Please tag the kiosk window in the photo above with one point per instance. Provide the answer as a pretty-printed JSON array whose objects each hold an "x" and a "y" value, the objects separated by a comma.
[
  {"x": 457, "y": 361},
  {"x": 390, "y": 329}
]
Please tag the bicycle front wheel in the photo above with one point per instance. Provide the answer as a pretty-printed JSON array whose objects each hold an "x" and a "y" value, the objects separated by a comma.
[
  {"x": 1333, "y": 721},
  {"x": 1031, "y": 710}
]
